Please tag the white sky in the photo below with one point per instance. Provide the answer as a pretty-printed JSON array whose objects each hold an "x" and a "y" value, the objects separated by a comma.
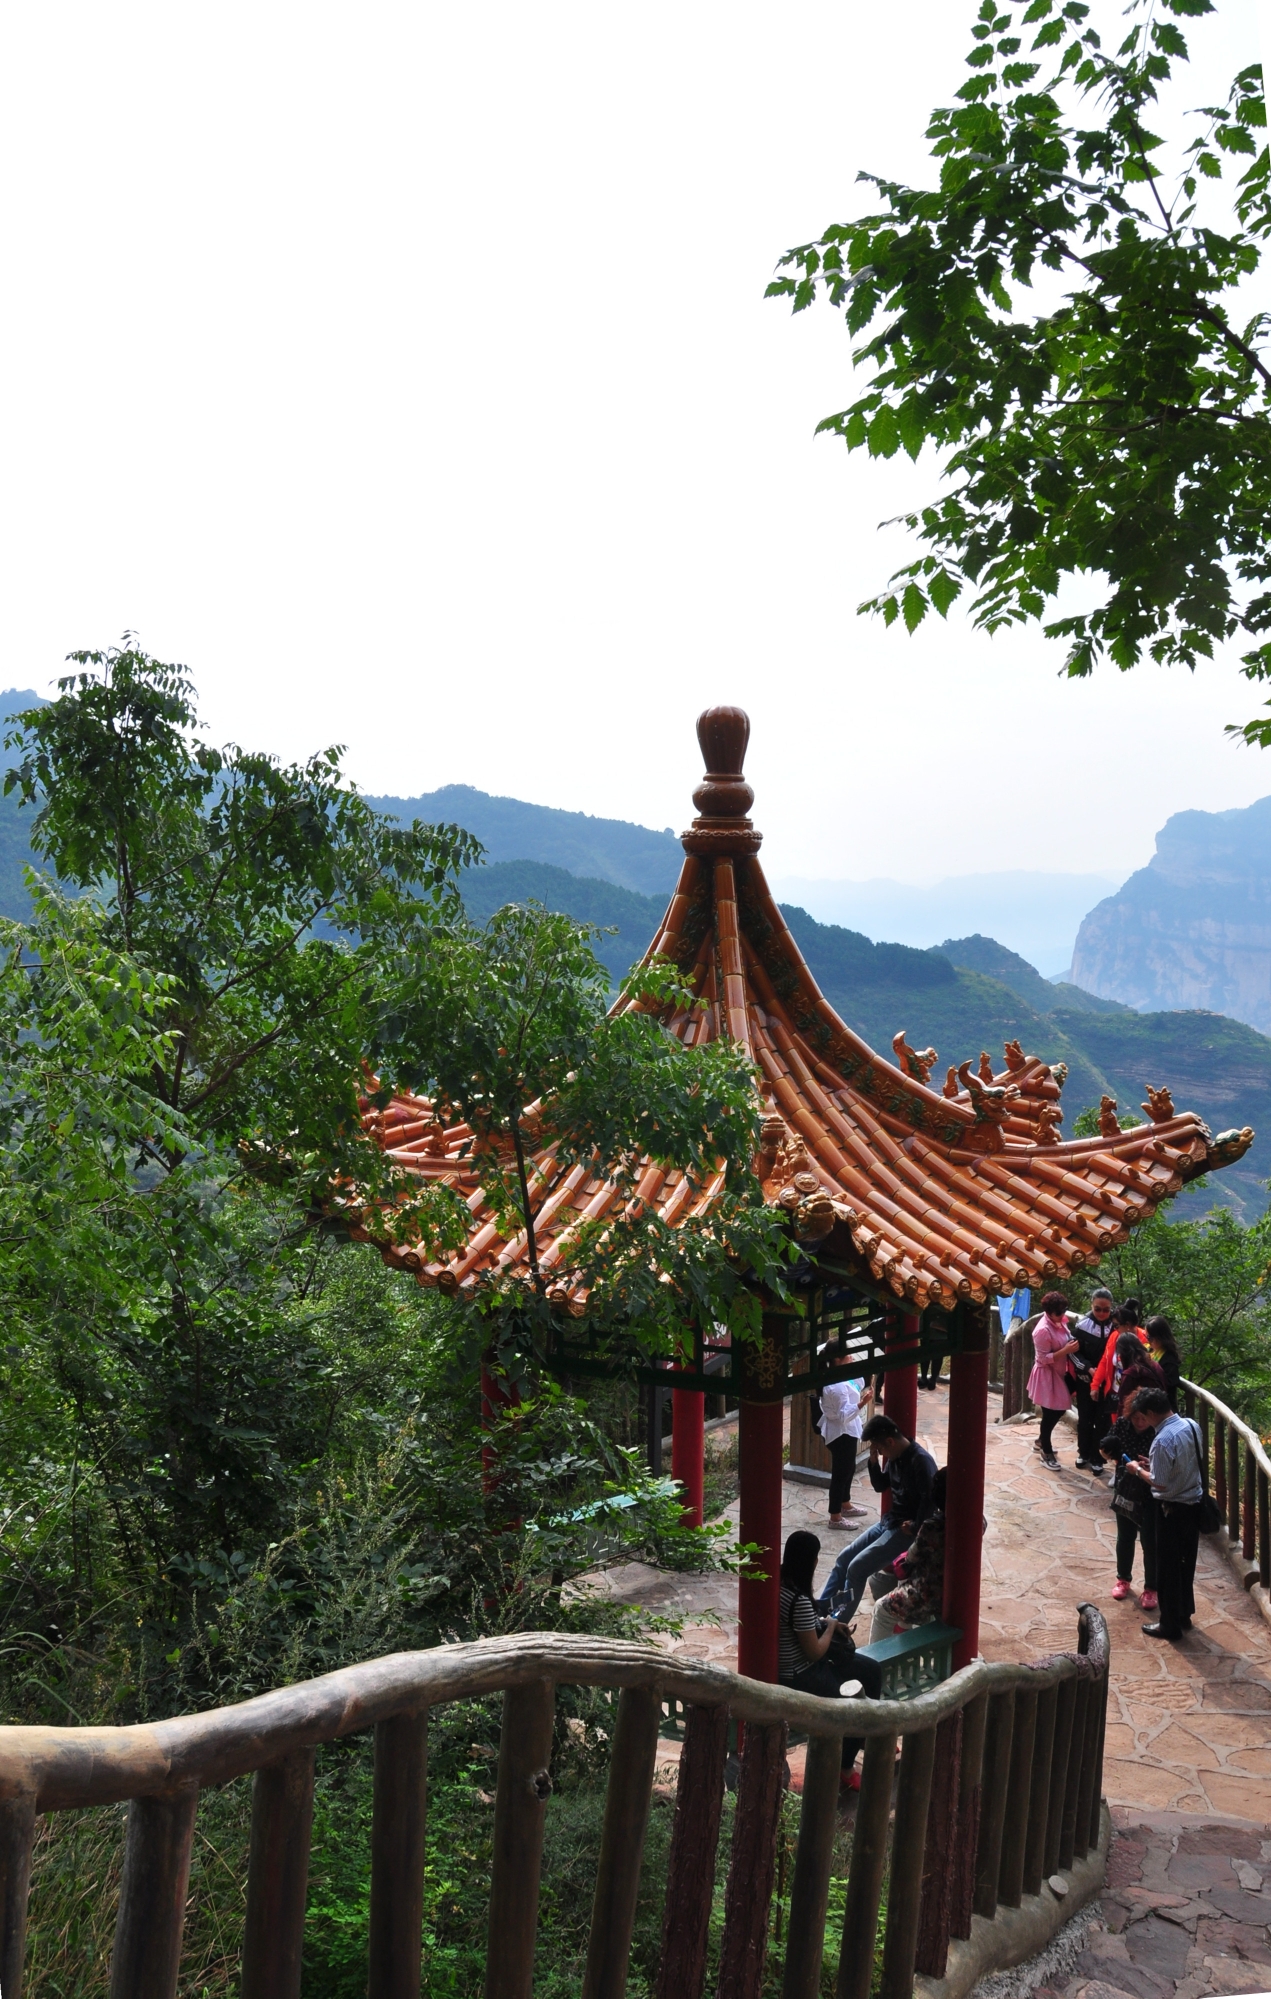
[{"x": 405, "y": 371}]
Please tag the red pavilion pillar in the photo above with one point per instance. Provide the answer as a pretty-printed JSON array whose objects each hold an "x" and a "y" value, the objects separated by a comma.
[
  {"x": 964, "y": 1502},
  {"x": 688, "y": 1450},
  {"x": 760, "y": 1429},
  {"x": 900, "y": 1385}
]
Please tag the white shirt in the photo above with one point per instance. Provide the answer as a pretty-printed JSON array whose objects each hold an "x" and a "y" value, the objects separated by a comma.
[{"x": 841, "y": 1409}]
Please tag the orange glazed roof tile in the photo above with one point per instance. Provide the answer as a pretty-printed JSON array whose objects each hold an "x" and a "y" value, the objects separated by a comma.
[{"x": 940, "y": 1194}]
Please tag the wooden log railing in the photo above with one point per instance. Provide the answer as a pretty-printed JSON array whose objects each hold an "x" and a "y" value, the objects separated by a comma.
[
  {"x": 999, "y": 1785},
  {"x": 1239, "y": 1473}
]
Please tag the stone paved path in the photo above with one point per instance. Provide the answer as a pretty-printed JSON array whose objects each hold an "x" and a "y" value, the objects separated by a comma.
[
  {"x": 1184, "y": 1912},
  {"x": 1188, "y": 1761}
]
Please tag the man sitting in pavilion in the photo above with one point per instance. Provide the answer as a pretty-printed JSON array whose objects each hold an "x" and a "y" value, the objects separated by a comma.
[{"x": 901, "y": 1467}]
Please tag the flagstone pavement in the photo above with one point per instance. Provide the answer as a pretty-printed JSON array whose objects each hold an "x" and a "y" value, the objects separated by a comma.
[{"x": 1187, "y": 1770}]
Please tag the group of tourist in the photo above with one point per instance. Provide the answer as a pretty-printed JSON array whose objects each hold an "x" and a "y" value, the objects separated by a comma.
[
  {"x": 1121, "y": 1373},
  {"x": 901, "y": 1558}
]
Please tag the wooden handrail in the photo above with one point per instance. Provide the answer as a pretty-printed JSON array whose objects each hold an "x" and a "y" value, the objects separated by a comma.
[
  {"x": 1241, "y": 1477},
  {"x": 945, "y": 1766},
  {"x": 1232, "y": 1421}
]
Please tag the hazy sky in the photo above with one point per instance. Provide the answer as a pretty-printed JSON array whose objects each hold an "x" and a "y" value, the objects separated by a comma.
[{"x": 405, "y": 370}]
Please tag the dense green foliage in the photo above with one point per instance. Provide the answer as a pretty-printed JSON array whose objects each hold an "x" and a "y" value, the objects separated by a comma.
[
  {"x": 1056, "y": 317},
  {"x": 238, "y": 1448}
]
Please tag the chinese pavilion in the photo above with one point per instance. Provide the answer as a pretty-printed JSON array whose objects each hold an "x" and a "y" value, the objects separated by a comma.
[{"x": 914, "y": 1206}]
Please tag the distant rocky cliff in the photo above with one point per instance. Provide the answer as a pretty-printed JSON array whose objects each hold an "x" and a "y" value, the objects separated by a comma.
[{"x": 1192, "y": 928}]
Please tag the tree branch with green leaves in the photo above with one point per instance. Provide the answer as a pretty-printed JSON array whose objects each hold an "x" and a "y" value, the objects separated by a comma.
[
  {"x": 507, "y": 1029},
  {"x": 1122, "y": 434}
]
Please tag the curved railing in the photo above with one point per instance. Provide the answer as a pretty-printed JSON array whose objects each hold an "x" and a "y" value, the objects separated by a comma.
[
  {"x": 1240, "y": 1475},
  {"x": 999, "y": 1785}
]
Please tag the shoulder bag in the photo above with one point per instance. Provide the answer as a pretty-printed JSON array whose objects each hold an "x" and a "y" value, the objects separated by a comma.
[
  {"x": 1129, "y": 1495},
  {"x": 1210, "y": 1518}
]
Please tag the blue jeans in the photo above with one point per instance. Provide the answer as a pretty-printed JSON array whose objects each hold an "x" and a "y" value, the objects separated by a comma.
[{"x": 874, "y": 1549}]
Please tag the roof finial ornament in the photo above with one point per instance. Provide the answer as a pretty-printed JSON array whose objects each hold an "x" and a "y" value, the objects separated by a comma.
[{"x": 723, "y": 798}]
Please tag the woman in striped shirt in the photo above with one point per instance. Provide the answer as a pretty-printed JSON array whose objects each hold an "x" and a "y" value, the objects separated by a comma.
[{"x": 804, "y": 1640}]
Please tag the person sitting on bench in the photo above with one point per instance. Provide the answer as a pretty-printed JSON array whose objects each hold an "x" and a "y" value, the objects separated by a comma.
[
  {"x": 901, "y": 1467},
  {"x": 814, "y": 1654},
  {"x": 918, "y": 1596}
]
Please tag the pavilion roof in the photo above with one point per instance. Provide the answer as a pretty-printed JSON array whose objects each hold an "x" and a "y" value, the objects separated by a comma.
[{"x": 959, "y": 1192}]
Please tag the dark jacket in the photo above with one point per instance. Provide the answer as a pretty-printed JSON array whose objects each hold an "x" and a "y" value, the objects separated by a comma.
[
  {"x": 1144, "y": 1374},
  {"x": 909, "y": 1479},
  {"x": 1168, "y": 1364},
  {"x": 1091, "y": 1338},
  {"x": 1123, "y": 1440}
]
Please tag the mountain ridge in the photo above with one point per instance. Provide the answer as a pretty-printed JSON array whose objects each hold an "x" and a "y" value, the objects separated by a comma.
[{"x": 1191, "y": 930}]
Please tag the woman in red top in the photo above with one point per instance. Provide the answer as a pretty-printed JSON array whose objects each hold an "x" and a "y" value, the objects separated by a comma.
[{"x": 1124, "y": 1320}]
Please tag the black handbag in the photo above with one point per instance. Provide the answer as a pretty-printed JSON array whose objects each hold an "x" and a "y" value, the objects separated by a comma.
[
  {"x": 842, "y": 1650},
  {"x": 1128, "y": 1495},
  {"x": 1211, "y": 1519}
]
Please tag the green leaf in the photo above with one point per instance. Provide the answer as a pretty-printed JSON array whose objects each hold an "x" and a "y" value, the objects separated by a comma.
[
  {"x": 914, "y": 606},
  {"x": 943, "y": 589},
  {"x": 884, "y": 434}
]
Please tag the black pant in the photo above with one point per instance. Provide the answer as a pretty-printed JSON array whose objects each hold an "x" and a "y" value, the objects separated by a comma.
[
  {"x": 1049, "y": 1419},
  {"x": 929, "y": 1370},
  {"x": 1090, "y": 1424},
  {"x": 1127, "y": 1534},
  {"x": 1177, "y": 1542},
  {"x": 842, "y": 1470},
  {"x": 826, "y": 1676}
]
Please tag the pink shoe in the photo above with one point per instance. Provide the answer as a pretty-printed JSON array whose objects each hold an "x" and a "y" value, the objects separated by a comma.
[
  {"x": 1120, "y": 1590},
  {"x": 1149, "y": 1600}
]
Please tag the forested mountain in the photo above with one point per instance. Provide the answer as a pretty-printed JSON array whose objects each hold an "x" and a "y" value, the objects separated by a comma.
[{"x": 611, "y": 850}]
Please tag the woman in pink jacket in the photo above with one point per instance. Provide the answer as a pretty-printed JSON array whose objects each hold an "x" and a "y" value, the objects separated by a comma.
[{"x": 1048, "y": 1382}]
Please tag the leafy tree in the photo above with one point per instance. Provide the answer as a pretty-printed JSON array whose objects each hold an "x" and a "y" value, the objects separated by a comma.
[
  {"x": 203, "y": 1376},
  {"x": 505, "y": 1026},
  {"x": 186, "y": 1046},
  {"x": 1209, "y": 1278},
  {"x": 1121, "y": 430},
  {"x": 271, "y": 899}
]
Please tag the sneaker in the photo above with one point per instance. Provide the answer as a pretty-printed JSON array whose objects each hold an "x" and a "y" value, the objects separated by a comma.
[
  {"x": 1121, "y": 1589},
  {"x": 1083, "y": 1464},
  {"x": 1098, "y": 1470},
  {"x": 837, "y": 1520},
  {"x": 1149, "y": 1600},
  {"x": 1050, "y": 1461}
]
